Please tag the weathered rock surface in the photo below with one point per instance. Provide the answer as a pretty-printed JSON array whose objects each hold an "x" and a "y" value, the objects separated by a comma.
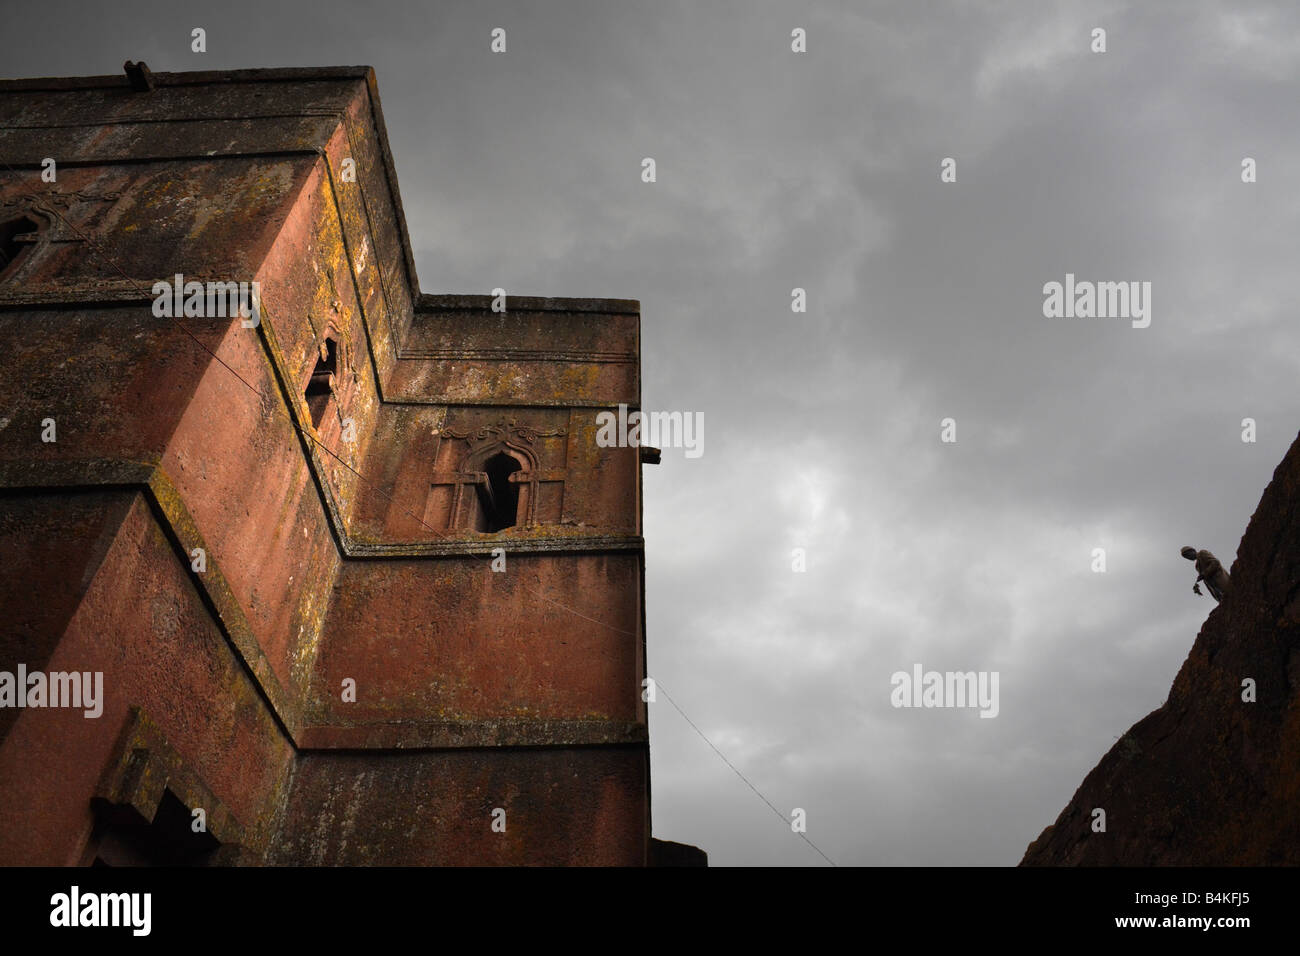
[{"x": 1209, "y": 779}]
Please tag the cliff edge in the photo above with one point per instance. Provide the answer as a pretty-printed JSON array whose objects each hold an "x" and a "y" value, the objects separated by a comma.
[{"x": 1210, "y": 779}]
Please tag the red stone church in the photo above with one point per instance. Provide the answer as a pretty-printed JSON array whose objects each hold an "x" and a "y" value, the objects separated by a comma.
[{"x": 355, "y": 580}]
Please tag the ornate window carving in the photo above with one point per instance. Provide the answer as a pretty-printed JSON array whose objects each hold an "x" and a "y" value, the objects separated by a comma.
[
  {"x": 500, "y": 482},
  {"x": 30, "y": 223}
]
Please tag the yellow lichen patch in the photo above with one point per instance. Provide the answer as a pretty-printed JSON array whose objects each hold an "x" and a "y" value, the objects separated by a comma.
[{"x": 577, "y": 381}]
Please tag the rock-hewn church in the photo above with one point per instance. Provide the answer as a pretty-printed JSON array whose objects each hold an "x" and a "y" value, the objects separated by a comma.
[{"x": 359, "y": 583}]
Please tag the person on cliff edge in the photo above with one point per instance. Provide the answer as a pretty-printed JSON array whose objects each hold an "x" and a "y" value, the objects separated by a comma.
[{"x": 1210, "y": 571}]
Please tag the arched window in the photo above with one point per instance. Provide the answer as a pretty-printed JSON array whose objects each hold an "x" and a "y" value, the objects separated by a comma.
[
  {"x": 488, "y": 478},
  {"x": 501, "y": 504},
  {"x": 17, "y": 238}
]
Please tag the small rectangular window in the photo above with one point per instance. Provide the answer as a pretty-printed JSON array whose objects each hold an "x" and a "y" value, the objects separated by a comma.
[
  {"x": 320, "y": 388},
  {"x": 17, "y": 238}
]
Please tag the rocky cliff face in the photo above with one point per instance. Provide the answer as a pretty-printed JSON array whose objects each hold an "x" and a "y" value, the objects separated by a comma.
[{"x": 1210, "y": 779}]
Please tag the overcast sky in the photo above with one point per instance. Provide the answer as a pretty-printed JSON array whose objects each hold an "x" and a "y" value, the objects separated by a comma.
[{"x": 820, "y": 170}]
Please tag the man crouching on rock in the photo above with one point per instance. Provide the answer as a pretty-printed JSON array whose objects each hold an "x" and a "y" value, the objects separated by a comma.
[{"x": 1210, "y": 571}]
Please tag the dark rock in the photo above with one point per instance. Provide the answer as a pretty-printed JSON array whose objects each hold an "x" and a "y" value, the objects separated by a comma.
[{"x": 1209, "y": 779}]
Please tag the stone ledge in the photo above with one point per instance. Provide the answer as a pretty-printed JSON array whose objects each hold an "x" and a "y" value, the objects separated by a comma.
[
  {"x": 431, "y": 303},
  {"x": 487, "y": 732}
]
